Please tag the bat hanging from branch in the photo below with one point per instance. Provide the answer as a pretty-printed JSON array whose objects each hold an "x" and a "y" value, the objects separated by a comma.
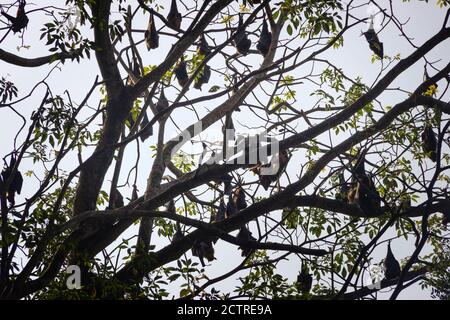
[
  {"x": 429, "y": 142},
  {"x": 245, "y": 234},
  {"x": 374, "y": 43},
  {"x": 203, "y": 46},
  {"x": 391, "y": 266},
  {"x": 16, "y": 183},
  {"x": 174, "y": 17},
  {"x": 304, "y": 280},
  {"x": 241, "y": 41},
  {"x": 162, "y": 103},
  {"x": 203, "y": 78},
  {"x": 181, "y": 73},
  {"x": 265, "y": 39},
  {"x": 151, "y": 34}
]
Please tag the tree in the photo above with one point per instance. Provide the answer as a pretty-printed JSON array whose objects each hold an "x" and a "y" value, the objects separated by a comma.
[{"x": 350, "y": 165}]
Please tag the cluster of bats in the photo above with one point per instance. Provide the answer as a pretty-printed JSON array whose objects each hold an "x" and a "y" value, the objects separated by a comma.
[
  {"x": 361, "y": 191},
  {"x": 240, "y": 41},
  {"x": 392, "y": 271},
  {"x": 203, "y": 248}
]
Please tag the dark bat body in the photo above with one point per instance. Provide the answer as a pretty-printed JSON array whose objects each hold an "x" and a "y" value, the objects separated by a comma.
[
  {"x": 203, "y": 249},
  {"x": 374, "y": 43},
  {"x": 203, "y": 47},
  {"x": 16, "y": 183},
  {"x": 265, "y": 40},
  {"x": 181, "y": 73},
  {"x": 429, "y": 143},
  {"x": 241, "y": 41},
  {"x": 266, "y": 180},
  {"x": 391, "y": 265},
  {"x": 174, "y": 17},
  {"x": 151, "y": 35},
  {"x": 220, "y": 216},
  {"x": 239, "y": 199},
  {"x": 245, "y": 234},
  {"x": 203, "y": 78},
  {"x": 162, "y": 103},
  {"x": 148, "y": 132},
  {"x": 304, "y": 281}
]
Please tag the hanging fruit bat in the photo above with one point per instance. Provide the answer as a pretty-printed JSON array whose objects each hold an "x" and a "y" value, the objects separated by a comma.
[
  {"x": 220, "y": 216},
  {"x": 134, "y": 194},
  {"x": 16, "y": 183},
  {"x": 151, "y": 35},
  {"x": 116, "y": 200},
  {"x": 174, "y": 17},
  {"x": 178, "y": 235},
  {"x": 181, "y": 73},
  {"x": 364, "y": 194},
  {"x": 266, "y": 180},
  {"x": 226, "y": 180},
  {"x": 374, "y": 43},
  {"x": 203, "y": 78},
  {"x": 239, "y": 199},
  {"x": 343, "y": 189},
  {"x": 135, "y": 70},
  {"x": 369, "y": 199},
  {"x": 20, "y": 21},
  {"x": 197, "y": 251},
  {"x": 265, "y": 39},
  {"x": 203, "y": 47},
  {"x": 391, "y": 266},
  {"x": 231, "y": 208},
  {"x": 241, "y": 41},
  {"x": 429, "y": 143},
  {"x": 162, "y": 103},
  {"x": 203, "y": 249},
  {"x": 208, "y": 251},
  {"x": 245, "y": 234},
  {"x": 359, "y": 170},
  {"x": 148, "y": 132},
  {"x": 304, "y": 280}
]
